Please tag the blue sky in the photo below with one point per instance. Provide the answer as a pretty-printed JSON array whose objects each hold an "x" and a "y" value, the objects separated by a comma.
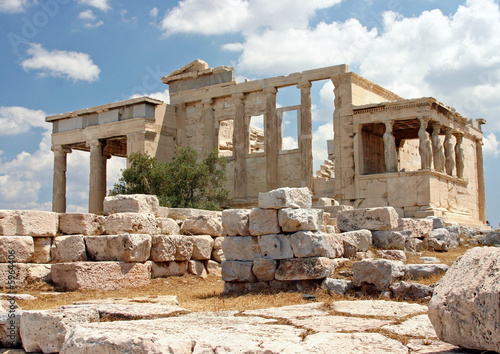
[{"x": 63, "y": 55}]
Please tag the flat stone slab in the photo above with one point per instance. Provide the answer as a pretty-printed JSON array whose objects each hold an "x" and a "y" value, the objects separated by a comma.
[
  {"x": 339, "y": 323},
  {"x": 434, "y": 346},
  {"x": 290, "y": 312},
  {"x": 380, "y": 308},
  {"x": 418, "y": 326},
  {"x": 152, "y": 299},
  {"x": 135, "y": 311}
]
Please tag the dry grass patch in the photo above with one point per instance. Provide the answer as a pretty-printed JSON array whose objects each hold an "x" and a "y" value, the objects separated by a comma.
[{"x": 445, "y": 257}]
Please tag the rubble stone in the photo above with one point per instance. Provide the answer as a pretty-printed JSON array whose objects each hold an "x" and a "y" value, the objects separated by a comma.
[
  {"x": 197, "y": 268},
  {"x": 202, "y": 225},
  {"x": 337, "y": 286},
  {"x": 80, "y": 224},
  {"x": 437, "y": 222},
  {"x": 235, "y": 222},
  {"x": 19, "y": 249},
  {"x": 380, "y": 273},
  {"x": 491, "y": 239},
  {"x": 292, "y": 220},
  {"x": 238, "y": 271},
  {"x": 286, "y": 198},
  {"x": 413, "y": 291},
  {"x": 168, "y": 226},
  {"x": 186, "y": 213},
  {"x": 8, "y": 223},
  {"x": 166, "y": 248},
  {"x": 465, "y": 307},
  {"x": 263, "y": 222},
  {"x": 125, "y": 247},
  {"x": 313, "y": 244},
  {"x": 218, "y": 255},
  {"x": 245, "y": 248},
  {"x": 202, "y": 247},
  {"x": 214, "y": 268},
  {"x": 418, "y": 271},
  {"x": 168, "y": 269},
  {"x": 305, "y": 268},
  {"x": 417, "y": 227},
  {"x": 264, "y": 269},
  {"x": 395, "y": 255},
  {"x": 100, "y": 275},
  {"x": 133, "y": 223},
  {"x": 9, "y": 329},
  {"x": 373, "y": 219},
  {"x": 439, "y": 240},
  {"x": 275, "y": 246},
  {"x": 398, "y": 240},
  {"x": 69, "y": 248},
  {"x": 218, "y": 241},
  {"x": 131, "y": 203},
  {"x": 356, "y": 241}
]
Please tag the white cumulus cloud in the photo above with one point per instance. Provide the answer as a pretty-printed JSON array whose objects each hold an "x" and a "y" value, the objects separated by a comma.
[
  {"x": 60, "y": 63},
  {"x": 98, "y": 4},
  {"x": 17, "y": 120},
  {"x": 90, "y": 20},
  {"x": 14, "y": 6},
  {"x": 491, "y": 145},
  {"x": 162, "y": 95}
]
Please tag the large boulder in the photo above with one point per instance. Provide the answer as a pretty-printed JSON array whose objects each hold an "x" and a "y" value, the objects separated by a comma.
[
  {"x": 18, "y": 249},
  {"x": 356, "y": 241},
  {"x": 373, "y": 219},
  {"x": 264, "y": 269},
  {"x": 131, "y": 203},
  {"x": 397, "y": 240},
  {"x": 202, "y": 225},
  {"x": 465, "y": 307},
  {"x": 29, "y": 223},
  {"x": 286, "y": 198},
  {"x": 418, "y": 271},
  {"x": 235, "y": 222},
  {"x": 125, "y": 247},
  {"x": 100, "y": 275},
  {"x": 263, "y": 222},
  {"x": 313, "y": 244},
  {"x": 80, "y": 224},
  {"x": 305, "y": 268},
  {"x": 417, "y": 227},
  {"x": 408, "y": 290},
  {"x": 292, "y": 220},
  {"x": 167, "y": 248},
  {"x": 202, "y": 247},
  {"x": 168, "y": 226},
  {"x": 491, "y": 239},
  {"x": 238, "y": 271},
  {"x": 275, "y": 246},
  {"x": 69, "y": 248},
  {"x": 132, "y": 223},
  {"x": 439, "y": 240},
  {"x": 380, "y": 273},
  {"x": 244, "y": 248}
]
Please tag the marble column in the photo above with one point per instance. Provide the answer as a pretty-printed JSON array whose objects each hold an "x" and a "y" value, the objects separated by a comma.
[
  {"x": 481, "y": 200},
  {"x": 305, "y": 138},
  {"x": 459, "y": 155},
  {"x": 208, "y": 119},
  {"x": 390, "y": 151},
  {"x": 437, "y": 149},
  {"x": 425, "y": 146},
  {"x": 449, "y": 152},
  {"x": 240, "y": 146},
  {"x": 59, "y": 182},
  {"x": 97, "y": 188},
  {"x": 271, "y": 138}
]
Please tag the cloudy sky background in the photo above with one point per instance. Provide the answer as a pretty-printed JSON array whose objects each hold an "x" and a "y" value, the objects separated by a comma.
[{"x": 62, "y": 55}]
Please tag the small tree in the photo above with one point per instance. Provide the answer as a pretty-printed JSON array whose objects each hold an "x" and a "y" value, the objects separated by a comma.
[{"x": 182, "y": 183}]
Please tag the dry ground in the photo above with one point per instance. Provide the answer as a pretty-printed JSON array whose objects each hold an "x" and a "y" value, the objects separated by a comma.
[{"x": 199, "y": 294}]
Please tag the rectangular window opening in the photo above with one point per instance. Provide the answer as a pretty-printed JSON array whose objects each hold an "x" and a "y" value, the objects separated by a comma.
[
  {"x": 290, "y": 122},
  {"x": 225, "y": 137},
  {"x": 256, "y": 134}
]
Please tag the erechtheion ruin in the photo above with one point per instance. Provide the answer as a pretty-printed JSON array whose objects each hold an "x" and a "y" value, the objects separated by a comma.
[{"x": 417, "y": 155}]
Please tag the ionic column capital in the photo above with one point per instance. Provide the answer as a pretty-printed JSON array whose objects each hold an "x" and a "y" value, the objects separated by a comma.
[{"x": 61, "y": 149}]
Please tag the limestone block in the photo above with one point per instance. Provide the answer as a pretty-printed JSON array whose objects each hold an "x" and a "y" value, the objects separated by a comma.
[
  {"x": 80, "y": 224},
  {"x": 202, "y": 247},
  {"x": 305, "y": 268},
  {"x": 132, "y": 223},
  {"x": 437, "y": 222},
  {"x": 439, "y": 240},
  {"x": 374, "y": 308},
  {"x": 38, "y": 273},
  {"x": 202, "y": 225},
  {"x": 218, "y": 255},
  {"x": 124, "y": 247},
  {"x": 186, "y": 213},
  {"x": 418, "y": 227},
  {"x": 244, "y": 248},
  {"x": 398, "y": 240},
  {"x": 235, "y": 222},
  {"x": 326, "y": 202},
  {"x": 418, "y": 244},
  {"x": 337, "y": 286},
  {"x": 218, "y": 241},
  {"x": 286, "y": 198},
  {"x": 275, "y": 246},
  {"x": 292, "y": 220},
  {"x": 264, "y": 269},
  {"x": 418, "y": 271},
  {"x": 17, "y": 270},
  {"x": 429, "y": 260},
  {"x": 335, "y": 209},
  {"x": 356, "y": 241},
  {"x": 491, "y": 239},
  {"x": 464, "y": 309},
  {"x": 238, "y": 271},
  {"x": 313, "y": 244},
  {"x": 69, "y": 248},
  {"x": 413, "y": 291},
  {"x": 9, "y": 329},
  {"x": 168, "y": 226},
  {"x": 131, "y": 203},
  {"x": 8, "y": 222},
  {"x": 380, "y": 273},
  {"x": 100, "y": 275},
  {"x": 455, "y": 234},
  {"x": 168, "y": 269},
  {"x": 19, "y": 249},
  {"x": 197, "y": 268},
  {"x": 167, "y": 248},
  {"x": 45, "y": 330},
  {"x": 263, "y": 222},
  {"x": 373, "y": 219},
  {"x": 41, "y": 252},
  {"x": 395, "y": 255},
  {"x": 214, "y": 268},
  {"x": 37, "y": 223}
]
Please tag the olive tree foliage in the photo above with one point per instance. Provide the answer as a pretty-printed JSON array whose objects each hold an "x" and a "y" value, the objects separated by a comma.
[{"x": 184, "y": 182}]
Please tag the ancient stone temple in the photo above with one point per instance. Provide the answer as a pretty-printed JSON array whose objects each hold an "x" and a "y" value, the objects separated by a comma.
[{"x": 417, "y": 155}]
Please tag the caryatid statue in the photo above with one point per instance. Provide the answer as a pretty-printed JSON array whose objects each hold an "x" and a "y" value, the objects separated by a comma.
[
  {"x": 437, "y": 149},
  {"x": 425, "y": 146},
  {"x": 459, "y": 153},
  {"x": 390, "y": 151},
  {"x": 449, "y": 152}
]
